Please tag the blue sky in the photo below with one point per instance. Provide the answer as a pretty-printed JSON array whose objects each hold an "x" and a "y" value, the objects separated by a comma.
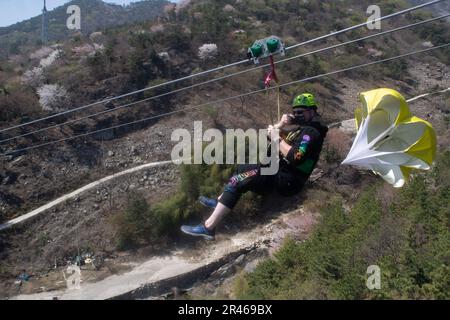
[{"x": 12, "y": 11}]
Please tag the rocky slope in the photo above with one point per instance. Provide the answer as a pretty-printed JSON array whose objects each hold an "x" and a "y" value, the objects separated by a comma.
[{"x": 81, "y": 226}]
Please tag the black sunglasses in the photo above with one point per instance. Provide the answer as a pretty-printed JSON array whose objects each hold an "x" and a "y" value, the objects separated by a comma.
[{"x": 299, "y": 111}]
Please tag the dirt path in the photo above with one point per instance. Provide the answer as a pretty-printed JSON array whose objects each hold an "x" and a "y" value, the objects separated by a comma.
[
  {"x": 77, "y": 192},
  {"x": 179, "y": 267}
]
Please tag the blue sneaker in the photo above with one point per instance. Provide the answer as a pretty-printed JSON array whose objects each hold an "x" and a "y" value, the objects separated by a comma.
[
  {"x": 199, "y": 231},
  {"x": 208, "y": 202}
]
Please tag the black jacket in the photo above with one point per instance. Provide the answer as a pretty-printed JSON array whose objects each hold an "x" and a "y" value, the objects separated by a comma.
[
  {"x": 297, "y": 166},
  {"x": 306, "y": 145}
]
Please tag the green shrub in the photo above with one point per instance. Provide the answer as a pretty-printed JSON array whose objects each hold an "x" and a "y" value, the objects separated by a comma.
[
  {"x": 397, "y": 69},
  {"x": 140, "y": 223},
  {"x": 436, "y": 32},
  {"x": 197, "y": 180},
  {"x": 408, "y": 241},
  {"x": 136, "y": 223}
]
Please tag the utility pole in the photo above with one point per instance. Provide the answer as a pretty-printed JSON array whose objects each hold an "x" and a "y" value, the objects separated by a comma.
[{"x": 44, "y": 24}]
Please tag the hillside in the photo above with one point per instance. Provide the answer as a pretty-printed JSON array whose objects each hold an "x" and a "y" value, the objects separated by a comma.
[
  {"x": 96, "y": 16},
  {"x": 439, "y": 8},
  {"x": 107, "y": 222}
]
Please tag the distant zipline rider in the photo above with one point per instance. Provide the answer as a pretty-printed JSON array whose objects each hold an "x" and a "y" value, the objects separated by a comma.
[{"x": 299, "y": 152}]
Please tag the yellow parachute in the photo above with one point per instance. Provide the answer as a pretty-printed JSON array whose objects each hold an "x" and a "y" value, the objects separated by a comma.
[{"x": 390, "y": 140}]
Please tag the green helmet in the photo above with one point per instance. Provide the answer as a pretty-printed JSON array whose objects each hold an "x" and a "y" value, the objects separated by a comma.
[{"x": 304, "y": 100}]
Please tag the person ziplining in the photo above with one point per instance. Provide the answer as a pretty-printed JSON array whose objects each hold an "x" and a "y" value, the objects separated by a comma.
[
  {"x": 407, "y": 143},
  {"x": 300, "y": 149}
]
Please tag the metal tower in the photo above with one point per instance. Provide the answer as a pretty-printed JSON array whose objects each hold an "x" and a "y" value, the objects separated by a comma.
[{"x": 44, "y": 24}]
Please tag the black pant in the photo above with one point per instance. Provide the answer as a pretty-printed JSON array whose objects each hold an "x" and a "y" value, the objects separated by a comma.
[{"x": 286, "y": 182}]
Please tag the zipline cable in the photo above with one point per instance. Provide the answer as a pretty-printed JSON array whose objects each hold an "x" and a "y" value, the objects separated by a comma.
[
  {"x": 218, "y": 68},
  {"x": 228, "y": 99},
  {"x": 365, "y": 24},
  {"x": 224, "y": 77}
]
